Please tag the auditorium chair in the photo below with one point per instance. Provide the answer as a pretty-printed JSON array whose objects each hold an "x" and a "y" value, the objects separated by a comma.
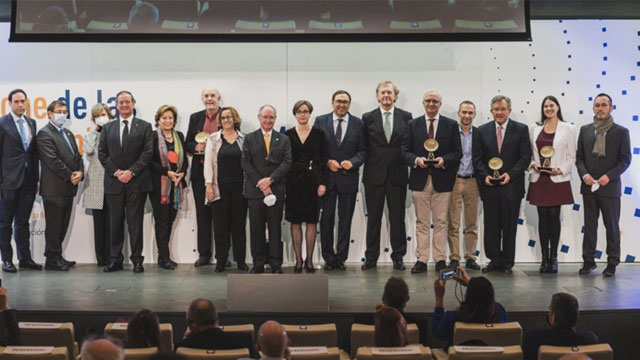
[
  {"x": 596, "y": 352},
  {"x": 200, "y": 354},
  {"x": 504, "y": 334},
  {"x": 244, "y": 328},
  {"x": 312, "y": 335},
  {"x": 49, "y": 334},
  {"x": 513, "y": 352},
  {"x": 166, "y": 335},
  {"x": 48, "y": 353},
  {"x": 367, "y": 353},
  {"x": 139, "y": 354},
  {"x": 462, "y": 25},
  {"x": 317, "y": 353},
  {"x": 364, "y": 335}
]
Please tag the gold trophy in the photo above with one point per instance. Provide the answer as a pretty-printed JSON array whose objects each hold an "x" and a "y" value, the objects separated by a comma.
[
  {"x": 201, "y": 138},
  {"x": 546, "y": 153},
  {"x": 431, "y": 145},
  {"x": 495, "y": 164}
]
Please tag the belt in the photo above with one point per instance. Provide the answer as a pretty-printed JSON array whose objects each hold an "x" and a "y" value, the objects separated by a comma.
[{"x": 464, "y": 176}]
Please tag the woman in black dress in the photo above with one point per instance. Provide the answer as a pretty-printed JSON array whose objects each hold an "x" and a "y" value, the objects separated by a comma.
[
  {"x": 305, "y": 182},
  {"x": 168, "y": 167}
]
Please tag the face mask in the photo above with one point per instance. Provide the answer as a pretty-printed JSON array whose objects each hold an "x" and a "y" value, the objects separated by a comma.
[
  {"x": 102, "y": 120},
  {"x": 59, "y": 119}
]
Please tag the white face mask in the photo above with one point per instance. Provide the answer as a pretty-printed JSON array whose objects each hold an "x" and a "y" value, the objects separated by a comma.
[
  {"x": 102, "y": 120},
  {"x": 59, "y": 119}
]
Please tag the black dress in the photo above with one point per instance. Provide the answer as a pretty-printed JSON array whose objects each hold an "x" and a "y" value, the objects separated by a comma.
[{"x": 307, "y": 168}]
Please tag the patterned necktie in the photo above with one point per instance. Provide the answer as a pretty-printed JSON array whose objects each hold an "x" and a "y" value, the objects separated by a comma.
[
  {"x": 64, "y": 136},
  {"x": 431, "y": 129},
  {"x": 339, "y": 132},
  {"x": 499, "y": 138},
  {"x": 387, "y": 125},
  {"x": 267, "y": 142},
  {"x": 23, "y": 134},
  {"x": 125, "y": 133}
]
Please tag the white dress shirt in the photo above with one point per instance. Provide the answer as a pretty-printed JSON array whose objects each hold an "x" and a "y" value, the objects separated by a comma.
[
  {"x": 435, "y": 123},
  {"x": 382, "y": 111},
  {"x": 345, "y": 123},
  {"x": 129, "y": 120}
]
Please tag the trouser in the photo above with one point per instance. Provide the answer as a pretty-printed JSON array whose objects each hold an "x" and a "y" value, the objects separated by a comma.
[
  {"x": 229, "y": 222},
  {"x": 430, "y": 203},
  {"x": 163, "y": 217},
  {"x": 610, "y": 209},
  {"x": 131, "y": 205},
  {"x": 465, "y": 193},
  {"x": 346, "y": 205},
  {"x": 101, "y": 234},
  {"x": 203, "y": 216},
  {"x": 261, "y": 218},
  {"x": 57, "y": 214},
  {"x": 375, "y": 198},
  {"x": 15, "y": 210},
  {"x": 500, "y": 226}
]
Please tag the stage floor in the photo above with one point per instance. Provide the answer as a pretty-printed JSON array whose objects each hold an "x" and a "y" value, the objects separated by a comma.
[{"x": 87, "y": 288}]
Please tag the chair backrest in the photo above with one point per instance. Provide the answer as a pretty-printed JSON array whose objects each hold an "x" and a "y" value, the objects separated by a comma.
[
  {"x": 139, "y": 354},
  {"x": 504, "y": 334},
  {"x": 369, "y": 353},
  {"x": 200, "y": 354},
  {"x": 49, "y": 334},
  {"x": 311, "y": 353},
  {"x": 596, "y": 352},
  {"x": 312, "y": 335},
  {"x": 364, "y": 335},
  {"x": 46, "y": 353},
  {"x": 244, "y": 328},
  {"x": 166, "y": 335},
  {"x": 509, "y": 353}
]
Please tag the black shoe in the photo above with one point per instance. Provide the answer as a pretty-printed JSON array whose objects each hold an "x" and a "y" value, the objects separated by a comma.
[
  {"x": 175, "y": 264},
  {"x": 202, "y": 261},
  {"x": 610, "y": 271},
  {"x": 472, "y": 264},
  {"x": 553, "y": 266},
  {"x": 368, "y": 265},
  {"x": 67, "y": 262},
  {"x": 165, "y": 264},
  {"x": 507, "y": 270},
  {"x": 227, "y": 264},
  {"x": 138, "y": 268},
  {"x": 399, "y": 265},
  {"x": 441, "y": 265},
  {"x": 276, "y": 270},
  {"x": 9, "y": 267},
  {"x": 219, "y": 269},
  {"x": 56, "y": 265},
  {"x": 298, "y": 267},
  {"x": 454, "y": 263},
  {"x": 29, "y": 264},
  {"x": 113, "y": 266},
  {"x": 490, "y": 268},
  {"x": 101, "y": 263},
  {"x": 328, "y": 266},
  {"x": 309, "y": 269},
  {"x": 339, "y": 265},
  {"x": 257, "y": 270},
  {"x": 587, "y": 268},
  {"x": 243, "y": 267},
  {"x": 419, "y": 267}
]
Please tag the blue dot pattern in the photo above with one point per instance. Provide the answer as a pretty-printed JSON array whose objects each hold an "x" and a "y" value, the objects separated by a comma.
[
  {"x": 564, "y": 249},
  {"x": 532, "y": 243},
  {"x": 576, "y": 207},
  {"x": 598, "y": 254},
  {"x": 628, "y": 190}
]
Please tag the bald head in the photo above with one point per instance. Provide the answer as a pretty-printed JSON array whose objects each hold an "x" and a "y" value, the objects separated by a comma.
[
  {"x": 272, "y": 339},
  {"x": 575, "y": 357},
  {"x": 101, "y": 349}
]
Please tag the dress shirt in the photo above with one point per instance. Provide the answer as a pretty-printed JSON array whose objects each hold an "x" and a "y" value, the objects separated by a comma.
[
  {"x": 382, "y": 111},
  {"x": 466, "y": 163},
  {"x": 129, "y": 121},
  {"x": 27, "y": 128},
  {"x": 504, "y": 128},
  {"x": 435, "y": 123},
  {"x": 344, "y": 124}
]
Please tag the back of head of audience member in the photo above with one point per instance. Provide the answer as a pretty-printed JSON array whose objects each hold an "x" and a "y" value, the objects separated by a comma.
[
  {"x": 143, "y": 17},
  {"x": 390, "y": 327},
  {"x": 52, "y": 19},
  {"x": 479, "y": 305},
  {"x": 396, "y": 293},
  {"x": 273, "y": 341},
  {"x": 575, "y": 357},
  {"x": 563, "y": 311},
  {"x": 143, "y": 330},
  {"x": 202, "y": 315},
  {"x": 101, "y": 349}
]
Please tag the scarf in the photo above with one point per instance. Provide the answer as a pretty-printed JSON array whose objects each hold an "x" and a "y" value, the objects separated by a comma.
[
  {"x": 165, "y": 182},
  {"x": 602, "y": 126}
]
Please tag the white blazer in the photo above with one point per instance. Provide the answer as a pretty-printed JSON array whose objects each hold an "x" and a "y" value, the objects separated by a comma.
[{"x": 564, "y": 144}]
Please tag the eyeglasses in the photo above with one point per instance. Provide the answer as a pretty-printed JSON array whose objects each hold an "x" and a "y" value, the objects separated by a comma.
[
  {"x": 303, "y": 112},
  {"x": 226, "y": 117},
  {"x": 342, "y": 102},
  {"x": 431, "y": 101}
]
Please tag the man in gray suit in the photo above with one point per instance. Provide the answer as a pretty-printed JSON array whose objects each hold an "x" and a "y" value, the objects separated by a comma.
[
  {"x": 62, "y": 170},
  {"x": 603, "y": 154},
  {"x": 266, "y": 159}
]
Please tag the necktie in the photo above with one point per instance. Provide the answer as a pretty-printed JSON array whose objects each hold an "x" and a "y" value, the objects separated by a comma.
[
  {"x": 64, "y": 136},
  {"x": 23, "y": 134},
  {"x": 339, "y": 132},
  {"x": 267, "y": 142},
  {"x": 125, "y": 133},
  {"x": 431, "y": 129},
  {"x": 499, "y": 138},
  {"x": 387, "y": 125}
]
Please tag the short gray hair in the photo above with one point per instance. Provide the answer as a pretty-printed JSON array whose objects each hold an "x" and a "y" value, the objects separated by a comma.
[
  {"x": 499, "y": 98},
  {"x": 275, "y": 113}
]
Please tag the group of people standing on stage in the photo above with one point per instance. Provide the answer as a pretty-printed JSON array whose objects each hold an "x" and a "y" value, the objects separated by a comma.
[{"x": 448, "y": 165}]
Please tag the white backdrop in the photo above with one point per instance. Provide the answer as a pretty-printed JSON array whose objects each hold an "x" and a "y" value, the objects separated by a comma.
[{"x": 573, "y": 60}]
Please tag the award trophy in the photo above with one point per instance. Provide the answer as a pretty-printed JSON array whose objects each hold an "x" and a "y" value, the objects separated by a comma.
[
  {"x": 431, "y": 145},
  {"x": 201, "y": 138},
  {"x": 495, "y": 164},
  {"x": 546, "y": 153}
]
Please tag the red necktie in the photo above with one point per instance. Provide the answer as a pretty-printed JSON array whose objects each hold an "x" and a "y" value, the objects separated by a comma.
[
  {"x": 499, "y": 139},
  {"x": 431, "y": 130}
]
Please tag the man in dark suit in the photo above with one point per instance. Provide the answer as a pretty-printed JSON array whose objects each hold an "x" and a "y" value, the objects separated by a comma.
[
  {"x": 202, "y": 121},
  {"x": 62, "y": 170},
  {"x": 266, "y": 159},
  {"x": 204, "y": 331},
  {"x": 126, "y": 146},
  {"x": 347, "y": 152},
  {"x": 431, "y": 183},
  {"x": 508, "y": 140},
  {"x": 18, "y": 181},
  {"x": 385, "y": 175},
  {"x": 603, "y": 154}
]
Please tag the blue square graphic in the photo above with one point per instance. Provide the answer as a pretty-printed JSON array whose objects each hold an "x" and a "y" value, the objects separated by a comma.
[
  {"x": 636, "y": 151},
  {"x": 408, "y": 238},
  {"x": 581, "y": 111},
  {"x": 532, "y": 243},
  {"x": 598, "y": 254},
  {"x": 604, "y": 45},
  {"x": 624, "y": 92},
  {"x": 637, "y": 213},
  {"x": 604, "y": 58},
  {"x": 597, "y": 86},
  {"x": 386, "y": 250},
  {"x": 520, "y": 221},
  {"x": 605, "y": 73},
  {"x": 477, "y": 253},
  {"x": 432, "y": 226},
  {"x": 630, "y": 258},
  {"x": 635, "y": 117},
  {"x": 604, "y": 29},
  {"x": 363, "y": 260},
  {"x": 633, "y": 78},
  {"x": 628, "y": 190},
  {"x": 353, "y": 241},
  {"x": 564, "y": 249},
  {"x": 576, "y": 207},
  {"x": 582, "y": 230}
]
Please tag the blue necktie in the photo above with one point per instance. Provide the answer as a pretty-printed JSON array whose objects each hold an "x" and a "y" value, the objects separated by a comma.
[
  {"x": 64, "y": 136},
  {"x": 23, "y": 134}
]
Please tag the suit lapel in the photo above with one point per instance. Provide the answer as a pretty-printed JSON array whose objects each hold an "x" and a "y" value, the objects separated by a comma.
[
  {"x": 13, "y": 128},
  {"x": 493, "y": 138},
  {"x": 378, "y": 122},
  {"x": 351, "y": 127},
  {"x": 395, "y": 132}
]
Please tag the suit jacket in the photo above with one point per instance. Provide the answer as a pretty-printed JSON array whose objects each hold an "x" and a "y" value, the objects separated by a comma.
[
  {"x": 515, "y": 155},
  {"x": 58, "y": 162},
  {"x": 217, "y": 339},
  {"x": 196, "y": 124},
  {"x": 449, "y": 148},
  {"x": 9, "y": 330},
  {"x": 257, "y": 164},
  {"x": 353, "y": 148},
  {"x": 135, "y": 156},
  {"x": 156, "y": 168},
  {"x": 616, "y": 161},
  {"x": 555, "y": 337},
  {"x": 564, "y": 144},
  {"x": 384, "y": 159},
  {"x": 13, "y": 157}
]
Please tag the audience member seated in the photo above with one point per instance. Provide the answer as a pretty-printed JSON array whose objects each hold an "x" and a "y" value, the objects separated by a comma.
[
  {"x": 203, "y": 331},
  {"x": 390, "y": 327},
  {"x": 273, "y": 341},
  {"x": 478, "y": 307},
  {"x": 143, "y": 330},
  {"x": 143, "y": 18},
  {"x": 52, "y": 20},
  {"x": 563, "y": 317},
  {"x": 9, "y": 330},
  {"x": 101, "y": 349}
]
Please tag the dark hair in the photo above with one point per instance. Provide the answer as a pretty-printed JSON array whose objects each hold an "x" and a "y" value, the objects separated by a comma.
[
  {"x": 605, "y": 95},
  {"x": 202, "y": 313},
  {"x": 143, "y": 330},
  {"x": 543, "y": 117},
  {"x": 479, "y": 305},
  {"x": 52, "y": 19},
  {"x": 396, "y": 293},
  {"x": 300, "y": 103},
  {"x": 54, "y": 103},
  {"x": 390, "y": 328},
  {"x": 467, "y": 102},
  {"x": 121, "y": 92},
  {"x": 333, "y": 97},
  {"x": 565, "y": 310},
  {"x": 15, "y": 91}
]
